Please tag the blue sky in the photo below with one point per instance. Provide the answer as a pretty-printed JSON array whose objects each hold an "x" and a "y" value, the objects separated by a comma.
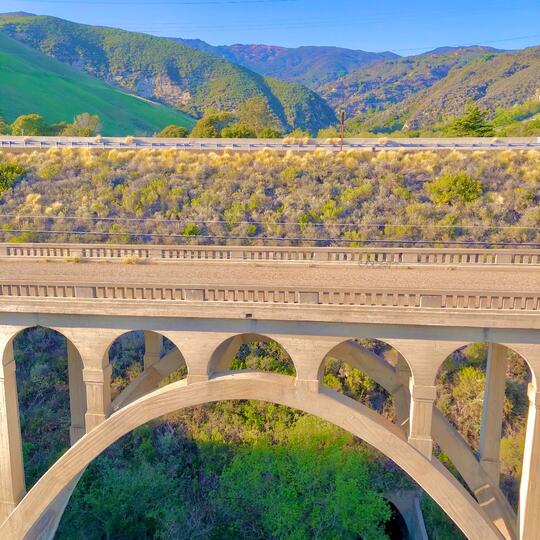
[{"x": 404, "y": 27}]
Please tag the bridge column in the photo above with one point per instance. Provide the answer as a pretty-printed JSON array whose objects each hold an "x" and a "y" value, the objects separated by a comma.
[
  {"x": 153, "y": 344},
  {"x": 308, "y": 354},
  {"x": 424, "y": 357},
  {"x": 12, "y": 484},
  {"x": 77, "y": 393},
  {"x": 492, "y": 412},
  {"x": 529, "y": 496},
  {"x": 401, "y": 396},
  {"x": 198, "y": 350}
]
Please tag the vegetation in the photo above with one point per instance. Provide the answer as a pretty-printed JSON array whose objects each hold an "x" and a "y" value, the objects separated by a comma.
[
  {"x": 352, "y": 196},
  {"x": 173, "y": 132},
  {"x": 164, "y": 71},
  {"x": 9, "y": 174},
  {"x": 34, "y": 83},
  {"x": 473, "y": 123}
]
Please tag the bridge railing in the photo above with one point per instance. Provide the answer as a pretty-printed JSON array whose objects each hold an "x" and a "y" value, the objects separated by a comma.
[
  {"x": 261, "y": 254},
  {"x": 260, "y": 295}
]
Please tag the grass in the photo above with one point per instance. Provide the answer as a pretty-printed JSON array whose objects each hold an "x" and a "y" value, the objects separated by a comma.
[{"x": 31, "y": 82}]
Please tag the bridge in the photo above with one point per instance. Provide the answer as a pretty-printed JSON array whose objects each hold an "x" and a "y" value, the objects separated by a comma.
[
  {"x": 315, "y": 302},
  {"x": 281, "y": 145}
]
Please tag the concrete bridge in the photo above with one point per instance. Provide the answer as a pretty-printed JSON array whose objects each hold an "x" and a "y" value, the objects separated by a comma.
[{"x": 315, "y": 302}]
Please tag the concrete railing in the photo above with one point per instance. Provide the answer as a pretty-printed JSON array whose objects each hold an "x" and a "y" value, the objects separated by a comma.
[
  {"x": 137, "y": 143},
  {"x": 410, "y": 299},
  {"x": 363, "y": 256}
]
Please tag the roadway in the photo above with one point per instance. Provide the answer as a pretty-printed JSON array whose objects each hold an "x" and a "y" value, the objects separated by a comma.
[
  {"x": 279, "y": 145},
  {"x": 275, "y": 276}
]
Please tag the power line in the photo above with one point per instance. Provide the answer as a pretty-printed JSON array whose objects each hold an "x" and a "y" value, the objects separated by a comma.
[
  {"x": 266, "y": 223},
  {"x": 278, "y": 239}
]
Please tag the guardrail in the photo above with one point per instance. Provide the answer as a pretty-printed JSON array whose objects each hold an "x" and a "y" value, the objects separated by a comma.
[
  {"x": 413, "y": 299},
  {"x": 363, "y": 256},
  {"x": 139, "y": 143}
]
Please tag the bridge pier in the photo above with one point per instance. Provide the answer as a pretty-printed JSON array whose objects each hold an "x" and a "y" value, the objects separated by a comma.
[
  {"x": 493, "y": 411},
  {"x": 153, "y": 343},
  {"x": 12, "y": 483},
  {"x": 77, "y": 393},
  {"x": 529, "y": 498}
]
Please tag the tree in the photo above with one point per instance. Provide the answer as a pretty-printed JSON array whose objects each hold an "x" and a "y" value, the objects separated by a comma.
[
  {"x": 454, "y": 187},
  {"x": 29, "y": 124},
  {"x": 238, "y": 131},
  {"x": 173, "y": 132},
  {"x": 313, "y": 485},
  {"x": 212, "y": 123},
  {"x": 257, "y": 114},
  {"x": 269, "y": 133},
  {"x": 9, "y": 174},
  {"x": 473, "y": 123},
  {"x": 84, "y": 125},
  {"x": 4, "y": 127}
]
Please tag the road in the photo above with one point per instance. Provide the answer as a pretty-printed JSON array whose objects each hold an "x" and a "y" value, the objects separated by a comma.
[
  {"x": 274, "y": 275},
  {"x": 279, "y": 145}
]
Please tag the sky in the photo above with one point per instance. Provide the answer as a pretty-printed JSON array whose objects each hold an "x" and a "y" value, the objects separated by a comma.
[{"x": 405, "y": 27}]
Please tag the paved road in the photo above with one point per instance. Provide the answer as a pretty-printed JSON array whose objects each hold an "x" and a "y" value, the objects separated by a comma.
[
  {"x": 522, "y": 280},
  {"x": 139, "y": 143}
]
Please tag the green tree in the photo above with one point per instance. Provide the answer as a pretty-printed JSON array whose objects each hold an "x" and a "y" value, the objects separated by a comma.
[
  {"x": 29, "y": 124},
  {"x": 313, "y": 485},
  {"x": 173, "y": 132},
  {"x": 257, "y": 114},
  {"x": 454, "y": 187},
  {"x": 238, "y": 131},
  {"x": 4, "y": 127},
  {"x": 84, "y": 125},
  {"x": 269, "y": 133},
  {"x": 473, "y": 123},
  {"x": 212, "y": 123},
  {"x": 9, "y": 174}
]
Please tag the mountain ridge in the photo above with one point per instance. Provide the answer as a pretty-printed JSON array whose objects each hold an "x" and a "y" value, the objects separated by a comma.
[{"x": 161, "y": 70}]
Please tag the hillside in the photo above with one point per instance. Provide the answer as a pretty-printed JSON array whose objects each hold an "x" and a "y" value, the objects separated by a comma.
[
  {"x": 161, "y": 70},
  {"x": 382, "y": 84},
  {"x": 421, "y": 91},
  {"x": 31, "y": 82},
  {"x": 311, "y": 66}
]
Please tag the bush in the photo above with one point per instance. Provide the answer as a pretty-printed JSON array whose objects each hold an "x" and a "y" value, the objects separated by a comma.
[
  {"x": 173, "y": 132},
  {"x": 238, "y": 131},
  {"x": 9, "y": 174},
  {"x": 29, "y": 124},
  {"x": 454, "y": 187}
]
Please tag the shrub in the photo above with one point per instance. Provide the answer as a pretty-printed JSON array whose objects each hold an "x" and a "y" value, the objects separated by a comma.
[
  {"x": 173, "y": 132},
  {"x": 9, "y": 174},
  {"x": 454, "y": 187}
]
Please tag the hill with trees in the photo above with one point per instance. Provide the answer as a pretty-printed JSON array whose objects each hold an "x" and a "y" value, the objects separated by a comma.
[
  {"x": 311, "y": 66},
  {"x": 31, "y": 82},
  {"x": 161, "y": 70}
]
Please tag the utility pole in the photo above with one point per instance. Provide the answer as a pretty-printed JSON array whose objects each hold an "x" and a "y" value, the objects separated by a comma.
[{"x": 342, "y": 121}]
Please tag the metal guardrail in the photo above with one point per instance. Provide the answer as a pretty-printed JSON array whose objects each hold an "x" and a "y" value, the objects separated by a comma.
[
  {"x": 140, "y": 143},
  {"x": 365, "y": 256}
]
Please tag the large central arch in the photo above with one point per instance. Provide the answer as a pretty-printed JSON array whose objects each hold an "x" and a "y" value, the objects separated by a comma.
[{"x": 31, "y": 513}]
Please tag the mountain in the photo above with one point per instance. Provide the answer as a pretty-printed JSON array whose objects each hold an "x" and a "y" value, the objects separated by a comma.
[
  {"x": 31, "y": 82},
  {"x": 161, "y": 70},
  {"x": 310, "y": 66},
  {"x": 379, "y": 85},
  {"x": 420, "y": 91}
]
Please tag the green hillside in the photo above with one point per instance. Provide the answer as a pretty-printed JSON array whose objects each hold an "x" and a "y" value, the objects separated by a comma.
[
  {"x": 30, "y": 82},
  {"x": 162, "y": 70}
]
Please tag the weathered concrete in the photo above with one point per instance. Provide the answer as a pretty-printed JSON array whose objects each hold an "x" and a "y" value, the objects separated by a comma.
[{"x": 313, "y": 309}]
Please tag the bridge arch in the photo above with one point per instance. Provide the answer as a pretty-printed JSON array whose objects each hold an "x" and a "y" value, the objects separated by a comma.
[{"x": 328, "y": 405}]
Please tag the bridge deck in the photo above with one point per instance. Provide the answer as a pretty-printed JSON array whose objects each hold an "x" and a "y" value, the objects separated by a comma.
[{"x": 276, "y": 275}]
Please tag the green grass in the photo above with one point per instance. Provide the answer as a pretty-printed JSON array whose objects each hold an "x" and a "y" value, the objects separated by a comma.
[{"x": 31, "y": 82}]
